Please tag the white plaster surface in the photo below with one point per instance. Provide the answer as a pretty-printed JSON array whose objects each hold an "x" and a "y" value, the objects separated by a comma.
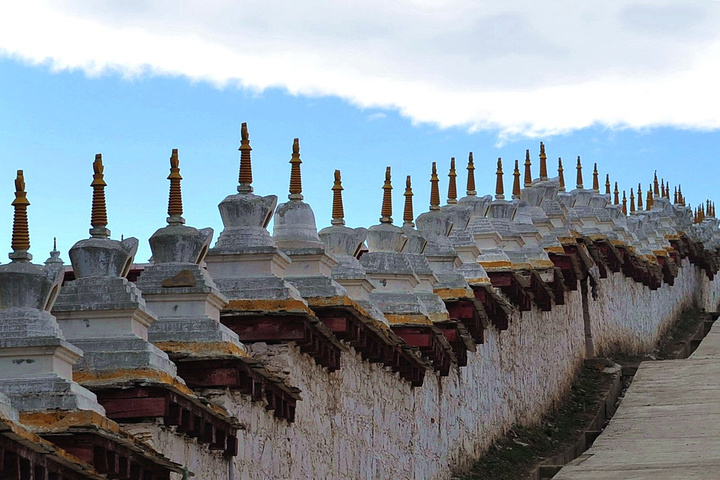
[{"x": 363, "y": 422}]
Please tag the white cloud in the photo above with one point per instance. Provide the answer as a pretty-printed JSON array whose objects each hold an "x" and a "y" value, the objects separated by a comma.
[{"x": 520, "y": 66}]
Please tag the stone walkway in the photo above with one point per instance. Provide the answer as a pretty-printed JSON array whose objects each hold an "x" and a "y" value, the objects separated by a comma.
[{"x": 667, "y": 426}]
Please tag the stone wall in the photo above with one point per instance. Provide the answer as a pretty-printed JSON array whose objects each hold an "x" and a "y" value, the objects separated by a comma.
[{"x": 362, "y": 421}]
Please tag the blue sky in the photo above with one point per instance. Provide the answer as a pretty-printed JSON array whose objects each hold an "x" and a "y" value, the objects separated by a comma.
[{"x": 60, "y": 107}]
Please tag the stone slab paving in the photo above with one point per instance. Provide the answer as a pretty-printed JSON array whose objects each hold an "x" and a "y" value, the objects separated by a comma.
[{"x": 667, "y": 426}]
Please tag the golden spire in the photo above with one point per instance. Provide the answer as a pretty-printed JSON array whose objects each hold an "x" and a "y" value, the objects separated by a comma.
[
  {"x": 681, "y": 199},
  {"x": 408, "y": 215},
  {"x": 707, "y": 209},
  {"x": 338, "y": 213},
  {"x": 617, "y": 195},
  {"x": 386, "y": 211},
  {"x": 245, "y": 177},
  {"x": 650, "y": 199},
  {"x": 98, "y": 218},
  {"x": 702, "y": 212},
  {"x": 632, "y": 202},
  {"x": 295, "y": 178},
  {"x": 675, "y": 197},
  {"x": 579, "y": 174},
  {"x": 607, "y": 184},
  {"x": 516, "y": 180},
  {"x": 471, "y": 177},
  {"x": 499, "y": 191},
  {"x": 434, "y": 189},
  {"x": 663, "y": 193},
  {"x": 656, "y": 189},
  {"x": 543, "y": 163},
  {"x": 528, "y": 173},
  {"x": 713, "y": 209},
  {"x": 175, "y": 207},
  {"x": 561, "y": 177},
  {"x": 452, "y": 186},
  {"x": 596, "y": 180},
  {"x": 624, "y": 204},
  {"x": 20, "y": 232},
  {"x": 639, "y": 198}
]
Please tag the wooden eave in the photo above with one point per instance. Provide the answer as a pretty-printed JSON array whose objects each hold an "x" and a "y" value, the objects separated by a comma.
[
  {"x": 372, "y": 342},
  {"x": 307, "y": 331},
  {"x": 496, "y": 308},
  {"x": 244, "y": 375},
  {"x": 431, "y": 342}
]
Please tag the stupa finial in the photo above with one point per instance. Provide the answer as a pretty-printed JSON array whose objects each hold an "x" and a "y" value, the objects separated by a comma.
[
  {"x": 408, "y": 216},
  {"x": 596, "y": 180},
  {"x": 675, "y": 196},
  {"x": 175, "y": 207},
  {"x": 499, "y": 190},
  {"x": 245, "y": 177},
  {"x": 624, "y": 204},
  {"x": 98, "y": 218},
  {"x": 632, "y": 202},
  {"x": 656, "y": 188},
  {"x": 579, "y": 182},
  {"x": 650, "y": 199},
  {"x": 561, "y": 177},
  {"x": 516, "y": 181},
  {"x": 528, "y": 174},
  {"x": 471, "y": 177},
  {"x": 434, "y": 189},
  {"x": 20, "y": 232},
  {"x": 639, "y": 198},
  {"x": 338, "y": 212},
  {"x": 616, "y": 199},
  {"x": 452, "y": 184},
  {"x": 386, "y": 210},
  {"x": 543, "y": 163},
  {"x": 295, "y": 178},
  {"x": 607, "y": 184},
  {"x": 681, "y": 199}
]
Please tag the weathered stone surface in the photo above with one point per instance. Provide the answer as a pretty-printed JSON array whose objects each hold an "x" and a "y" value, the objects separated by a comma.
[{"x": 102, "y": 257}]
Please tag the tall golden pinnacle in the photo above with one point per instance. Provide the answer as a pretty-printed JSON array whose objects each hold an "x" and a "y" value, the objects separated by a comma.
[
  {"x": 656, "y": 188},
  {"x": 527, "y": 182},
  {"x": 471, "y": 177},
  {"x": 98, "y": 218},
  {"x": 543, "y": 163},
  {"x": 607, "y": 184},
  {"x": 561, "y": 177},
  {"x": 175, "y": 206},
  {"x": 579, "y": 183},
  {"x": 295, "y": 179},
  {"x": 452, "y": 185},
  {"x": 386, "y": 210},
  {"x": 632, "y": 202},
  {"x": 408, "y": 216},
  {"x": 681, "y": 199},
  {"x": 675, "y": 197},
  {"x": 596, "y": 180},
  {"x": 499, "y": 191},
  {"x": 663, "y": 192},
  {"x": 20, "y": 232},
  {"x": 650, "y": 199},
  {"x": 245, "y": 177},
  {"x": 338, "y": 213},
  {"x": 516, "y": 181},
  {"x": 624, "y": 204},
  {"x": 639, "y": 198},
  {"x": 434, "y": 188},
  {"x": 616, "y": 195},
  {"x": 707, "y": 209}
]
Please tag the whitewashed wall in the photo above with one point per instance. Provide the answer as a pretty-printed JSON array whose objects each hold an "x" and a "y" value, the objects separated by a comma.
[{"x": 363, "y": 422}]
